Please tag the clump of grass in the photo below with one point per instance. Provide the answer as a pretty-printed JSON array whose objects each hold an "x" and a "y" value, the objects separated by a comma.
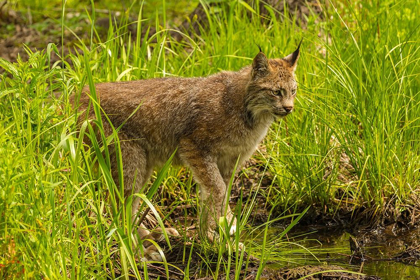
[{"x": 354, "y": 137}]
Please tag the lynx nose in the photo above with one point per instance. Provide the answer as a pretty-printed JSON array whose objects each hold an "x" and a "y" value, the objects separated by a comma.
[{"x": 288, "y": 109}]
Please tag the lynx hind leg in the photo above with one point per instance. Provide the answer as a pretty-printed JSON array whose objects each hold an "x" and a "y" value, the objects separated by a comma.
[
  {"x": 135, "y": 168},
  {"x": 136, "y": 173}
]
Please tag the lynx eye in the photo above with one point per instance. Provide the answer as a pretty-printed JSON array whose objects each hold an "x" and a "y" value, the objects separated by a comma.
[
  {"x": 293, "y": 92},
  {"x": 280, "y": 92}
]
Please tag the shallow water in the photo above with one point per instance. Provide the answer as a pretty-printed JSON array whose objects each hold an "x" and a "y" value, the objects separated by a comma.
[{"x": 378, "y": 248}]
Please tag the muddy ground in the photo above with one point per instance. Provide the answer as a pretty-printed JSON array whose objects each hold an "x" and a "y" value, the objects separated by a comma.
[
  {"x": 329, "y": 268},
  {"x": 396, "y": 234}
]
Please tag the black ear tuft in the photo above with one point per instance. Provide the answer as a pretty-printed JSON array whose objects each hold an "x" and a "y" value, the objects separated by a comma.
[
  {"x": 293, "y": 57},
  {"x": 260, "y": 65},
  {"x": 259, "y": 47}
]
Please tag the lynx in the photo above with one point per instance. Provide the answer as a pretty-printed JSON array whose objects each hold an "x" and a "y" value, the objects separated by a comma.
[{"x": 212, "y": 123}]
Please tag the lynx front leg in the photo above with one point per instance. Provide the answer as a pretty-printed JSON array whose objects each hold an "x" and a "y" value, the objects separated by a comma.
[
  {"x": 212, "y": 187},
  {"x": 227, "y": 170}
]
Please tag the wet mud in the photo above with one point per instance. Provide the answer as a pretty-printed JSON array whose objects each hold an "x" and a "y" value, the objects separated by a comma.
[
  {"x": 380, "y": 254},
  {"x": 197, "y": 269}
]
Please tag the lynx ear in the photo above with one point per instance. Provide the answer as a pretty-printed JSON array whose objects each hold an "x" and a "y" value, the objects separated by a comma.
[
  {"x": 260, "y": 65},
  {"x": 293, "y": 58}
]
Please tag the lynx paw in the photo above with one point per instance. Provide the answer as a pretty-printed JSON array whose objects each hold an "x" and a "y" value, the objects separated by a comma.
[
  {"x": 152, "y": 253},
  {"x": 232, "y": 230},
  {"x": 213, "y": 236},
  {"x": 158, "y": 236}
]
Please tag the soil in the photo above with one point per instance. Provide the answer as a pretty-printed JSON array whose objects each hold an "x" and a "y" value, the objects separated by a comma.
[
  {"x": 18, "y": 33},
  {"x": 324, "y": 272}
]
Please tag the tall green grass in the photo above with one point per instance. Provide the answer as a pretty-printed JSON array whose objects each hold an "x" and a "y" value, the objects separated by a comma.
[
  {"x": 355, "y": 133},
  {"x": 353, "y": 138}
]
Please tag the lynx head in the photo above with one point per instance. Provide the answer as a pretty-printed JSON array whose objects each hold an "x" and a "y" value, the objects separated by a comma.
[{"x": 272, "y": 89}]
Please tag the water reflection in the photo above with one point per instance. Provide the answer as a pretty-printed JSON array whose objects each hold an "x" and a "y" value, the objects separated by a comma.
[{"x": 333, "y": 247}]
